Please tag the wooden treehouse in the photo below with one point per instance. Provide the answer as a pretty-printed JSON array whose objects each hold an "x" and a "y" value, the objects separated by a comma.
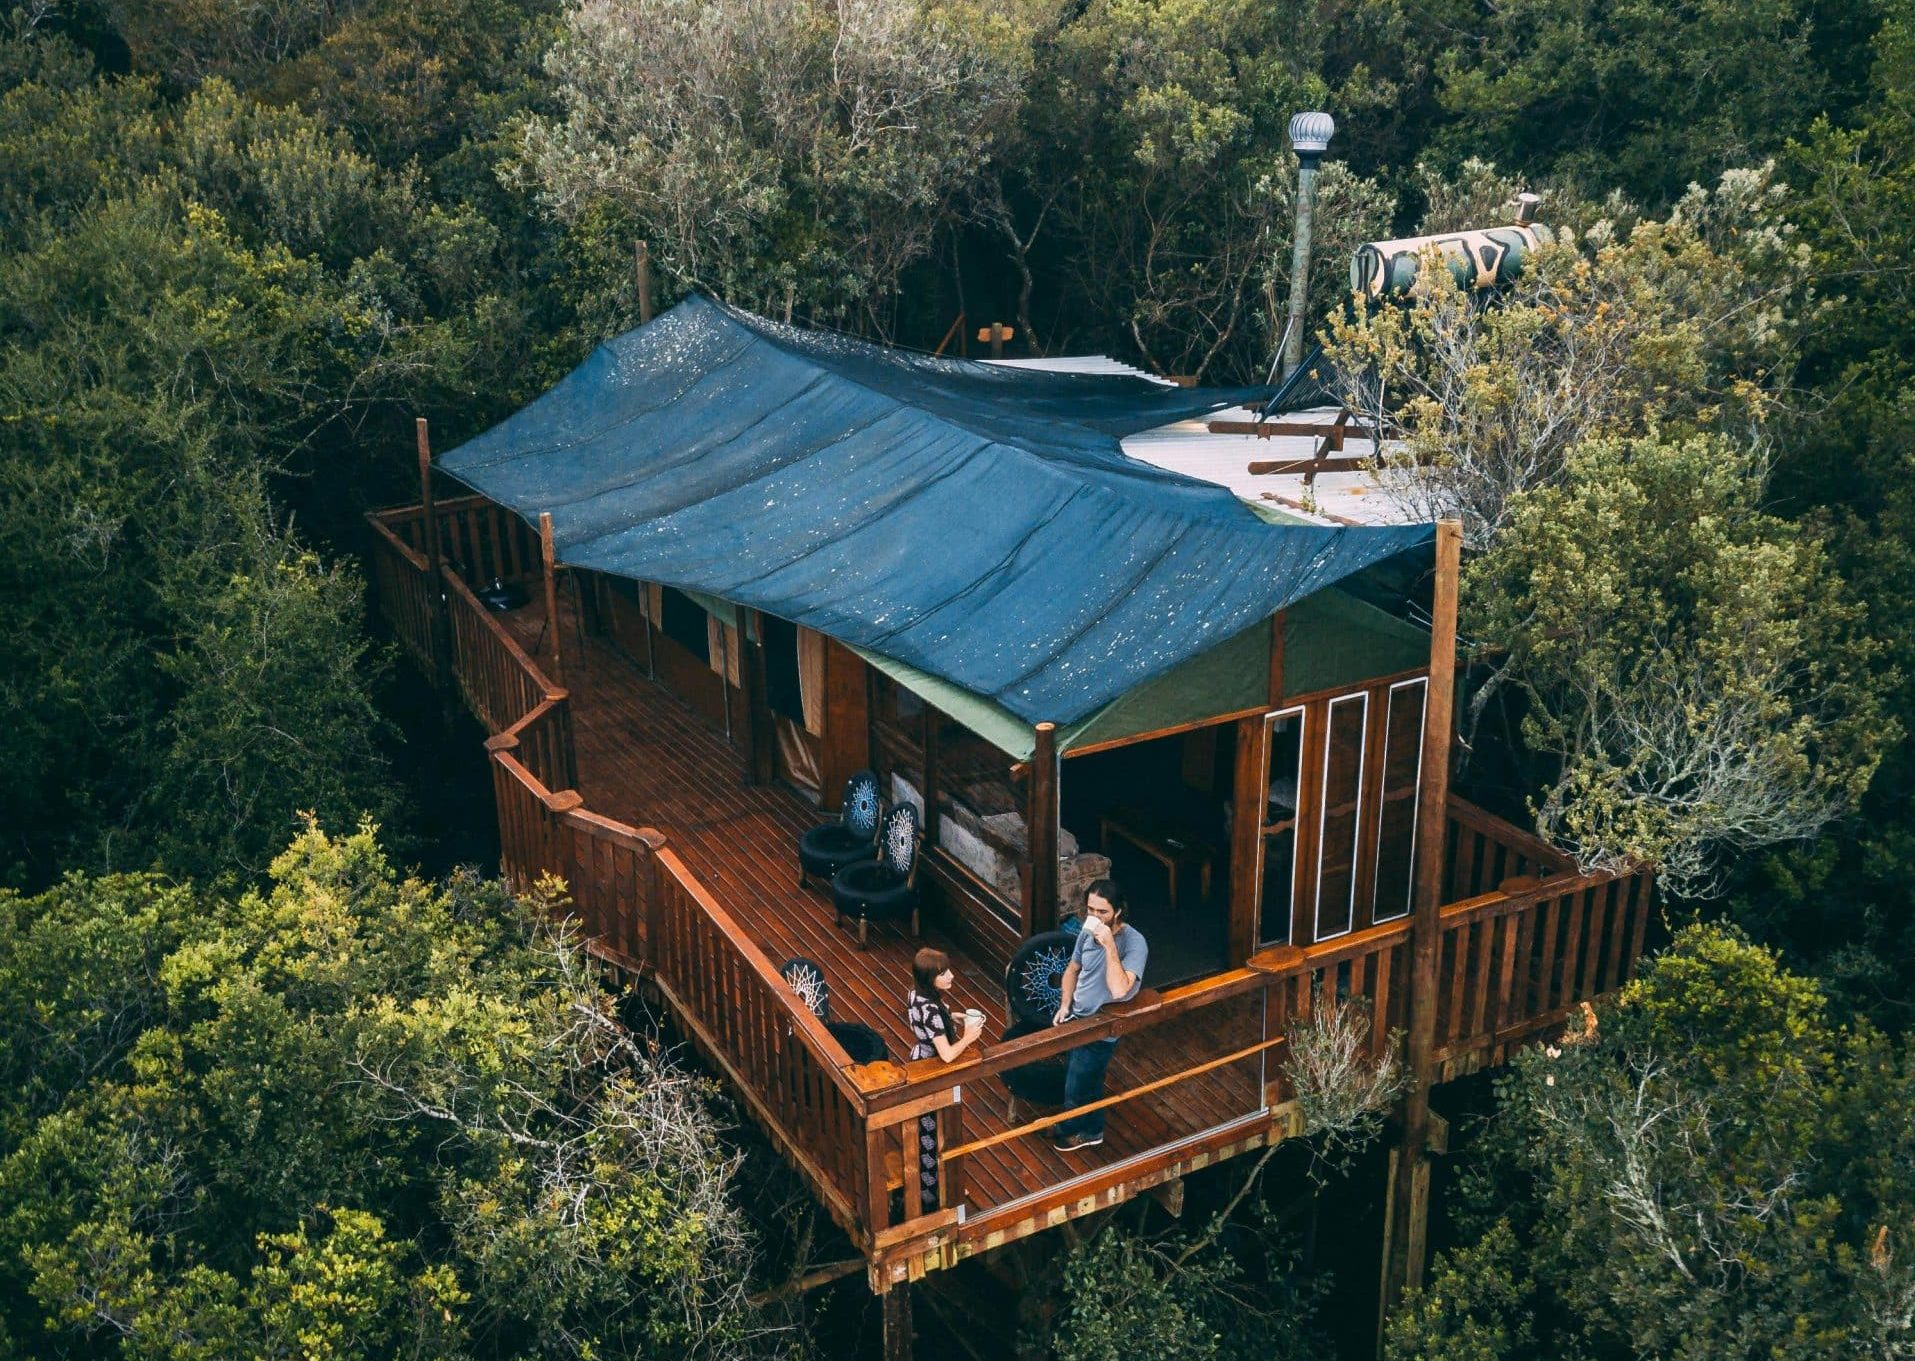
[{"x": 783, "y": 560}]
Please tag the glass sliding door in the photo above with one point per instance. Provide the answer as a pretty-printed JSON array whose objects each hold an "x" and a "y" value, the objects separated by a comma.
[
  {"x": 1283, "y": 784},
  {"x": 1396, "y": 816},
  {"x": 1341, "y": 817}
]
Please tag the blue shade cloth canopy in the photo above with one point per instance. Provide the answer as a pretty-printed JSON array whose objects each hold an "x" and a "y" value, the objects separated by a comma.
[{"x": 977, "y": 522}]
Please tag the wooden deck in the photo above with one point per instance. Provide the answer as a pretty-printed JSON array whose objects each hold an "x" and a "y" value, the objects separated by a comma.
[
  {"x": 683, "y": 875},
  {"x": 645, "y": 759}
]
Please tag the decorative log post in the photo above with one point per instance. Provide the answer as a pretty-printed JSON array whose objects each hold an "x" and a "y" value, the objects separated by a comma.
[
  {"x": 642, "y": 260},
  {"x": 1041, "y": 827},
  {"x": 439, "y": 639},
  {"x": 548, "y": 558},
  {"x": 1408, "y": 1218}
]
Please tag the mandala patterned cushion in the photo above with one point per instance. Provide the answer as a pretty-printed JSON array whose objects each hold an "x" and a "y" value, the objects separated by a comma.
[
  {"x": 1034, "y": 982},
  {"x": 860, "y": 814}
]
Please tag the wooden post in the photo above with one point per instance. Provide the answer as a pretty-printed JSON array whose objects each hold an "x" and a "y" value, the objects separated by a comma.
[
  {"x": 642, "y": 259},
  {"x": 548, "y": 558},
  {"x": 996, "y": 334},
  {"x": 1249, "y": 794},
  {"x": 440, "y": 640},
  {"x": 897, "y": 1322},
  {"x": 1408, "y": 1219},
  {"x": 1040, "y": 822},
  {"x": 844, "y": 748}
]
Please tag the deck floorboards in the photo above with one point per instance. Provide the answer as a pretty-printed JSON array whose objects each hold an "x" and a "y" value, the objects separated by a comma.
[{"x": 646, "y": 759}]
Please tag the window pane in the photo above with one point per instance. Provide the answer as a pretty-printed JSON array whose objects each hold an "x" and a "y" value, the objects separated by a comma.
[
  {"x": 1342, "y": 809},
  {"x": 1396, "y": 824},
  {"x": 1278, "y": 874}
]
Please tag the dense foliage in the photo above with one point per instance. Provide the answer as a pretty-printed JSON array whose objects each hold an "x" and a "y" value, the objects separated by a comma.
[
  {"x": 242, "y": 245},
  {"x": 1719, "y": 1170},
  {"x": 348, "y": 1115}
]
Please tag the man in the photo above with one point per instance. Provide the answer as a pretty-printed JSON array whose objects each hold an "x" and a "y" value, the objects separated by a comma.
[{"x": 1107, "y": 965}]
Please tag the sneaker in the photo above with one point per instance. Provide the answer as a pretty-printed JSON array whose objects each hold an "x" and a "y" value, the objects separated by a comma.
[{"x": 1070, "y": 1143}]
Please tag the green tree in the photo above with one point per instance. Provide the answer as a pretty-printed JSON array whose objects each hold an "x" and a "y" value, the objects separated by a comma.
[
  {"x": 1692, "y": 670},
  {"x": 1719, "y": 1171},
  {"x": 1155, "y": 137},
  {"x": 783, "y": 155},
  {"x": 1845, "y": 904},
  {"x": 351, "y": 1115},
  {"x": 1231, "y": 1290},
  {"x": 1633, "y": 95}
]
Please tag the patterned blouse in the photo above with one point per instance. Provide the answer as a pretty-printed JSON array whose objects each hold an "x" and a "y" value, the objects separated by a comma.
[{"x": 926, "y": 1020}]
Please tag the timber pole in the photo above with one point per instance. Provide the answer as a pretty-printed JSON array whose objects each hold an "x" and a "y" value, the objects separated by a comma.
[
  {"x": 548, "y": 558},
  {"x": 1041, "y": 821},
  {"x": 896, "y": 1305},
  {"x": 642, "y": 263},
  {"x": 1408, "y": 1217},
  {"x": 440, "y": 634}
]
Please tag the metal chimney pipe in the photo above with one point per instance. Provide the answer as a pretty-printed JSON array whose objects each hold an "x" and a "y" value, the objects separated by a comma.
[
  {"x": 1310, "y": 135},
  {"x": 1526, "y": 208}
]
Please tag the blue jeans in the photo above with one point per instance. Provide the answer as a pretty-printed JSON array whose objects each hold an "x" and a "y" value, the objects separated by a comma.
[{"x": 1083, "y": 1084}]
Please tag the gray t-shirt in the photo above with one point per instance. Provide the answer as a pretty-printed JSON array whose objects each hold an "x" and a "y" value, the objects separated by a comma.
[{"x": 1093, "y": 989}]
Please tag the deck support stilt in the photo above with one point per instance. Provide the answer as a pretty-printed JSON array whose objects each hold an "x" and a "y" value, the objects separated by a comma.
[
  {"x": 1408, "y": 1215},
  {"x": 896, "y": 1303}
]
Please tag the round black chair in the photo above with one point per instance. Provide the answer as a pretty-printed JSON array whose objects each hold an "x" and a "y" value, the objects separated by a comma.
[
  {"x": 1033, "y": 984},
  {"x": 1039, "y": 1082},
  {"x": 860, "y": 1041},
  {"x": 808, "y": 981},
  {"x": 829, "y": 847},
  {"x": 886, "y": 888}
]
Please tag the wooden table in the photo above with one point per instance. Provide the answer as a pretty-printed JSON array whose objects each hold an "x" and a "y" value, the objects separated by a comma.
[{"x": 1170, "y": 843}]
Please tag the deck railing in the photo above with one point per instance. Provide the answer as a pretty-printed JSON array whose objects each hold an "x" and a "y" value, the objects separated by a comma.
[
  {"x": 480, "y": 540},
  {"x": 1525, "y": 940},
  {"x": 635, "y": 902}
]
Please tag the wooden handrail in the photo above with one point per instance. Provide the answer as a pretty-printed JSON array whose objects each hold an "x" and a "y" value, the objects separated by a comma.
[
  {"x": 380, "y": 526},
  {"x": 826, "y": 1049},
  {"x": 404, "y": 514},
  {"x": 1509, "y": 834},
  {"x": 1154, "y": 1085},
  {"x": 458, "y": 589},
  {"x": 921, "y": 1080}
]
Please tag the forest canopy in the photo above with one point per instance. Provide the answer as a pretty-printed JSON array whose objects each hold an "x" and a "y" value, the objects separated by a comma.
[{"x": 244, "y": 246}]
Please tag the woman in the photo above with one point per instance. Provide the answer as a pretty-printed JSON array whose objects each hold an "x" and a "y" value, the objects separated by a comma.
[{"x": 929, "y": 1016}]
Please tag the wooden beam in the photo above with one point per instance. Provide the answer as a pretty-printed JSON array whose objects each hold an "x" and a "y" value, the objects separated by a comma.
[
  {"x": 1403, "y": 1255},
  {"x": 1040, "y": 824},
  {"x": 1174, "y": 730},
  {"x": 1170, "y": 1196},
  {"x": 897, "y": 1322},
  {"x": 1277, "y": 467},
  {"x": 844, "y": 748},
  {"x": 548, "y": 560},
  {"x": 1265, "y": 429},
  {"x": 1248, "y": 796}
]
